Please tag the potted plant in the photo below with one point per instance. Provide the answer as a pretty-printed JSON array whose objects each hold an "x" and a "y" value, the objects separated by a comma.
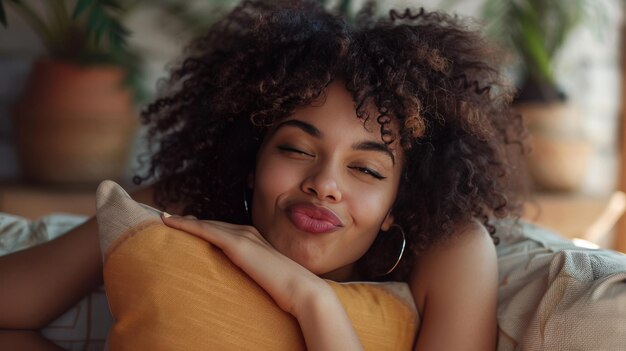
[
  {"x": 534, "y": 31},
  {"x": 75, "y": 119}
]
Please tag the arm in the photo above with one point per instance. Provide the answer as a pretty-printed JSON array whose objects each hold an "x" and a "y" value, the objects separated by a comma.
[
  {"x": 322, "y": 318},
  {"x": 40, "y": 283},
  {"x": 26, "y": 340},
  {"x": 324, "y": 322},
  {"x": 455, "y": 287}
]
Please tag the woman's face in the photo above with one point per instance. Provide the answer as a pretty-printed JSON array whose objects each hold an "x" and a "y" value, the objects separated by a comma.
[{"x": 324, "y": 185}]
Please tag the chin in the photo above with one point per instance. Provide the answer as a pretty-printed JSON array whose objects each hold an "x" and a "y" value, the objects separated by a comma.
[{"x": 308, "y": 263}]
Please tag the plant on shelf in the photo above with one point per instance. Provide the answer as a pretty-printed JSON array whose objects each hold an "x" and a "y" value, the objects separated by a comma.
[
  {"x": 75, "y": 120},
  {"x": 90, "y": 33},
  {"x": 534, "y": 32}
]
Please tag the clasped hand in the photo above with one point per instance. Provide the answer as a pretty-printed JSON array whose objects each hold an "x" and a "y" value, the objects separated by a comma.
[{"x": 288, "y": 283}]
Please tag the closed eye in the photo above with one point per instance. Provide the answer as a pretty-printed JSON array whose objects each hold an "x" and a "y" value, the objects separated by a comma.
[
  {"x": 369, "y": 172},
  {"x": 291, "y": 149}
]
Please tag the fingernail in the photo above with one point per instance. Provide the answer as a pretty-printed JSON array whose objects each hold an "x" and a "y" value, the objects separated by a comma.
[{"x": 166, "y": 215}]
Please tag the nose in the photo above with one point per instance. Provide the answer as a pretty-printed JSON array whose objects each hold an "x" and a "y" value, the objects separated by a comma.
[{"x": 322, "y": 183}]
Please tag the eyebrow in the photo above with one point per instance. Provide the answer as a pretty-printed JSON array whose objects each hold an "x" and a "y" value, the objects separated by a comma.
[
  {"x": 375, "y": 146},
  {"x": 305, "y": 127},
  {"x": 316, "y": 133}
]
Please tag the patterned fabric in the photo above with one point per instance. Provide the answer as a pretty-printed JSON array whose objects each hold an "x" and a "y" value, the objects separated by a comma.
[
  {"x": 554, "y": 295},
  {"x": 18, "y": 233},
  {"x": 83, "y": 327}
]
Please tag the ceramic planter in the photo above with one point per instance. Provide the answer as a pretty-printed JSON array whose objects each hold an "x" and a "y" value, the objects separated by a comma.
[
  {"x": 560, "y": 152},
  {"x": 74, "y": 124}
]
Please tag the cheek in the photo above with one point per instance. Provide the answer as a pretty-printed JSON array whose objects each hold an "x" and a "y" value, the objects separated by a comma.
[
  {"x": 371, "y": 206},
  {"x": 371, "y": 210},
  {"x": 271, "y": 181}
]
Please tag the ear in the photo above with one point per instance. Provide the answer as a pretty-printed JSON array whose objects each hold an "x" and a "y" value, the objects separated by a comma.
[{"x": 387, "y": 222}]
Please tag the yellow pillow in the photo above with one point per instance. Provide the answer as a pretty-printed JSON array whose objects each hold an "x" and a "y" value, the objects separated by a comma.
[{"x": 169, "y": 290}]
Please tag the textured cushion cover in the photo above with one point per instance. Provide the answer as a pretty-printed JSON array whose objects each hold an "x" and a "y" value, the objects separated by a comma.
[
  {"x": 554, "y": 295},
  {"x": 169, "y": 290}
]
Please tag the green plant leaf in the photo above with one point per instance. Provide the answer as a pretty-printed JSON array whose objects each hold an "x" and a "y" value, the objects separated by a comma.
[
  {"x": 532, "y": 48},
  {"x": 82, "y": 6},
  {"x": 535, "y": 30},
  {"x": 117, "y": 36},
  {"x": 3, "y": 17},
  {"x": 344, "y": 6},
  {"x": 111, "y": 4},
  {"x": 119, "y": 29},
  {"x": 101, "y": 31},
  {"x": 3, "y": 14},
  {"x": 102, "y": 23},
  {"x": 97, "y": 24}
]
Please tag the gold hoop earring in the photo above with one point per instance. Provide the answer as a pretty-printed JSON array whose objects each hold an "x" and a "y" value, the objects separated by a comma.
[
  {"x": 381, "y": 245},
  {"x": 399, "y": 228}
]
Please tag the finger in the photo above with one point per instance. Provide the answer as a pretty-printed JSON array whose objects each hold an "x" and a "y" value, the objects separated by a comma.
[
  {"x": 238, "y": 228},
  {"x": 224, "y": 235},
  {"x": 225, "y": 225},
  {"x": 197, "y": 228},
  {"x": 220, "y": 224}
]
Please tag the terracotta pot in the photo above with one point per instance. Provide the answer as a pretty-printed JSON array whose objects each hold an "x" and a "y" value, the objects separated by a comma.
[
  {"x": 74, "y": 124},
  {"x": 560, "y": 152}
]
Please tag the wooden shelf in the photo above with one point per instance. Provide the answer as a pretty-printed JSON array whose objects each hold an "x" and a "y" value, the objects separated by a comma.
[
  {"x": 34, "y": 202},
  {"x": 579, "y": 216},
  {"x": 570, "y": 215}
]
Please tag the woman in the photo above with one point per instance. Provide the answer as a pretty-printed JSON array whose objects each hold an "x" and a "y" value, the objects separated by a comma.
[{"x": 315, "y": 148}]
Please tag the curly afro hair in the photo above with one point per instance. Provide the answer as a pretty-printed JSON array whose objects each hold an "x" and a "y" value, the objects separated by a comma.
[{"x": 424, "y": 69}]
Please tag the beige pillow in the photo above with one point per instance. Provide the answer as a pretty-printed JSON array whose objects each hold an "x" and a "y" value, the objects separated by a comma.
[
  {"x": 169, "y": 290},
  {"x": 554, "y": 295}
]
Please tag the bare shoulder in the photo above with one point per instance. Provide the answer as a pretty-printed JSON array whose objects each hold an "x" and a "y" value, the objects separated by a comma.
[
  {"x": 468, "y": 237},
  {"x": 471, "y": 244},
  {"x": 455, "y": 288}
]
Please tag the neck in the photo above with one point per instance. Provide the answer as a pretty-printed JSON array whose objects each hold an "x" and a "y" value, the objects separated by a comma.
[{"x": 343, "y": 274}]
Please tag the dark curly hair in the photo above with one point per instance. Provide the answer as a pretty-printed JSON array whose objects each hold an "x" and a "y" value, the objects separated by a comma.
[{"x": 425, "y": 69}]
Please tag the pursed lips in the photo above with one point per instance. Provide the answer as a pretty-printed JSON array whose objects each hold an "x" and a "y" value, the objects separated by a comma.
[{"x": 313, "y": 219}]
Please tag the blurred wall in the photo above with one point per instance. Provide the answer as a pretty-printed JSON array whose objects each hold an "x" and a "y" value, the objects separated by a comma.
[{"x": 588, "y": 69}]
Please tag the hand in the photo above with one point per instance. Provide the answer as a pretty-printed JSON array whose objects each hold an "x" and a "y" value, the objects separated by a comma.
[
  {"x": 288, "y": 283},
  {"x": 323, "y": 321}
]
